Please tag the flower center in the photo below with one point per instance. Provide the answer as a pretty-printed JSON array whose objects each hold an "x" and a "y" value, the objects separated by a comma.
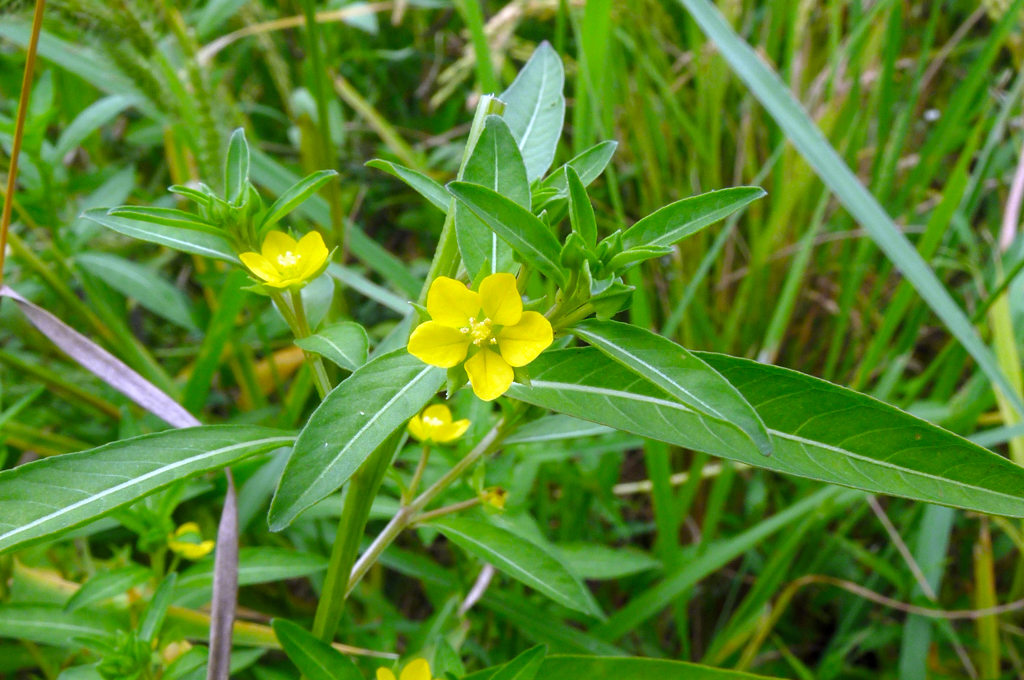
[
  {"x": 480, "y": 331},
  {"x": 431, "y": 421},
  {"x": 288, "y": 259}
]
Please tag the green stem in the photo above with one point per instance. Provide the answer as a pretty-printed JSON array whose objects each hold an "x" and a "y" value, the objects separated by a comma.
[
  {"x": 362, "y": 489},
  {"x": 409, "y": 512},
  {"x": 410, "y": 493},
  {"x": 302, "y": 330}
]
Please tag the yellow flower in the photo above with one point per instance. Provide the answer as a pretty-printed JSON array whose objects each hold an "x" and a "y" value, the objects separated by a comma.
[
  {"x": 285, "y": 262},
  {"x": 418, "y": 669},
  {"x": 457, "y": 330},
  {"x": 495, "y": 497},
  {"x": 188, "y": 542},
  {"x": 435, "y": 425}
]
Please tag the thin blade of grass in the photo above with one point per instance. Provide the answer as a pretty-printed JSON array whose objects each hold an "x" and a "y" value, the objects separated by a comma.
[{"x": 765, "y": 84}]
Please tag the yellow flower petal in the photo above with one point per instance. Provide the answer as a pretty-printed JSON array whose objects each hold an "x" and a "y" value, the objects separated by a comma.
[
  {"x": 313, "y": 252},
  {"x": 418, "y": 669},
  {"x": 520, "y": 344},
  {"x": 438, "y": 412},
  {"x": 277, "y": 243},
  {"x": 438, "y": 344},
  {"x": 385, "y": 674},
  {"x": 260, "y": 266},
  {"x": 451, "y": 303},
  {"x": 191, "y": 551},
  {"x": 500, "y": 299},
  {"x": 451, "y": 431},
  {"x": 417, "y": 429},
  {"x": 187, "y": 528},
  {"x": 489, "y": 374}
]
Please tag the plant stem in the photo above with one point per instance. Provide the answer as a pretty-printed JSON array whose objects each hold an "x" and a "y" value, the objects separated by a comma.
[
  {"x": 408, "y": 513},
  {"x": 294, "y": 314},
  {"x": 417, "y": 476},
  {"x": 425, "y": 517},
  {"x": 19, "y": 130},
  {"x": 362, "y": 489}
]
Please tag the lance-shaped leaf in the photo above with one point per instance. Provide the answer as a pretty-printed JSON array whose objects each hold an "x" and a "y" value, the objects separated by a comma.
[
  {"x": 156, "y": 612},
  {"x": 678, "y": 372},
  {"x": 678, "y": 220},
  {"x": 255, "y": 565},
  {"x": 423, "y": 185},
  {"x": 103, "y": 364},
  {"x": 622, "y": 668},
  {"x": 52, "y": 495},
  {"x": 581, "y": 212},
  {"x": 185, "y": 240},
  {"x": 354, "y": 419},
  {"x": 819, "y": 430},
  {"x": 314, "y": 658},
  {"x": 293, "y": 197},
  {"x": 496, "y": 164},
  {"x": 225, "y": 583},
  {"x": 51, "y": 625},
  {"x": 343, "y": 343},
  {"x": 524, "y": 666},
  {"x": 535, "y": 109},
  {"x": 143, "y": 285},
  {"x": 107, "y": 584},
  {"x": 168, "y": 217},
  {"x": 588, "y": 165},
  {"x": 524, "y": 561},
  {"x": 519, "y": 227},
  {"x": 236, "y": 170}
]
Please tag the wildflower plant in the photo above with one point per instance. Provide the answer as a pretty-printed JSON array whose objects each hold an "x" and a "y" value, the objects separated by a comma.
[{"x": 520, "y": 326}]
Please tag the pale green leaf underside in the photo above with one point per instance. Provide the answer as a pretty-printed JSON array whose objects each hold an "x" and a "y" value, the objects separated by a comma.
[
  {"x": 819, "y": 430},
  {"x": 186, "y": 240},
  {"x": 343, "y": 343}
]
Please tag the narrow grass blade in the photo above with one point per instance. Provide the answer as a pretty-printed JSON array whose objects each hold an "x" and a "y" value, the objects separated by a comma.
[{"x": 766, "y": 85}]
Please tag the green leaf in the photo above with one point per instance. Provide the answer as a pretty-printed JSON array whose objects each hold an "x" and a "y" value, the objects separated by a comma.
[
  {"x": 588, "y": 165},
  {"x": 142, "y": 284},
  {"x": 343, "y": 343},
  {"x": 581, "y": 212},
  {"x": 107, "y": 584},
  {"x": 555, "y": 428},
  {"x": 676, "y": 221},
  {"x": 496, "y": 164},
  {"x": 156, "y": 612},
  {"x": 777, "y": 99},
  {"x": 426, "y": 187},
  {"x": 169, "y": 217},
  {"x": 185, "y": 240},
  {"x": 314, "y": 658},
  {"x": 595, "y": 562},
  {"x": 93, "y": 117},
  {"x": 53, "y": 495},
  {"x": 255, "y": 565},
  {"x": 524, "y": 666},
  {"x": 354, "y": 419},
  {"x": 295, "y": 196},
  {"x": 622, "y": 668},
  {"x": 524, "y": 561},
  {"x": 535, "y": 109},
  {"x": 236, "y": 170},
  {"x": 527, "y": 235},
  {"x": 678, "y": 372},
  {"x": 51, "y": 625},
  {"x": 820, "y": 431}
]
